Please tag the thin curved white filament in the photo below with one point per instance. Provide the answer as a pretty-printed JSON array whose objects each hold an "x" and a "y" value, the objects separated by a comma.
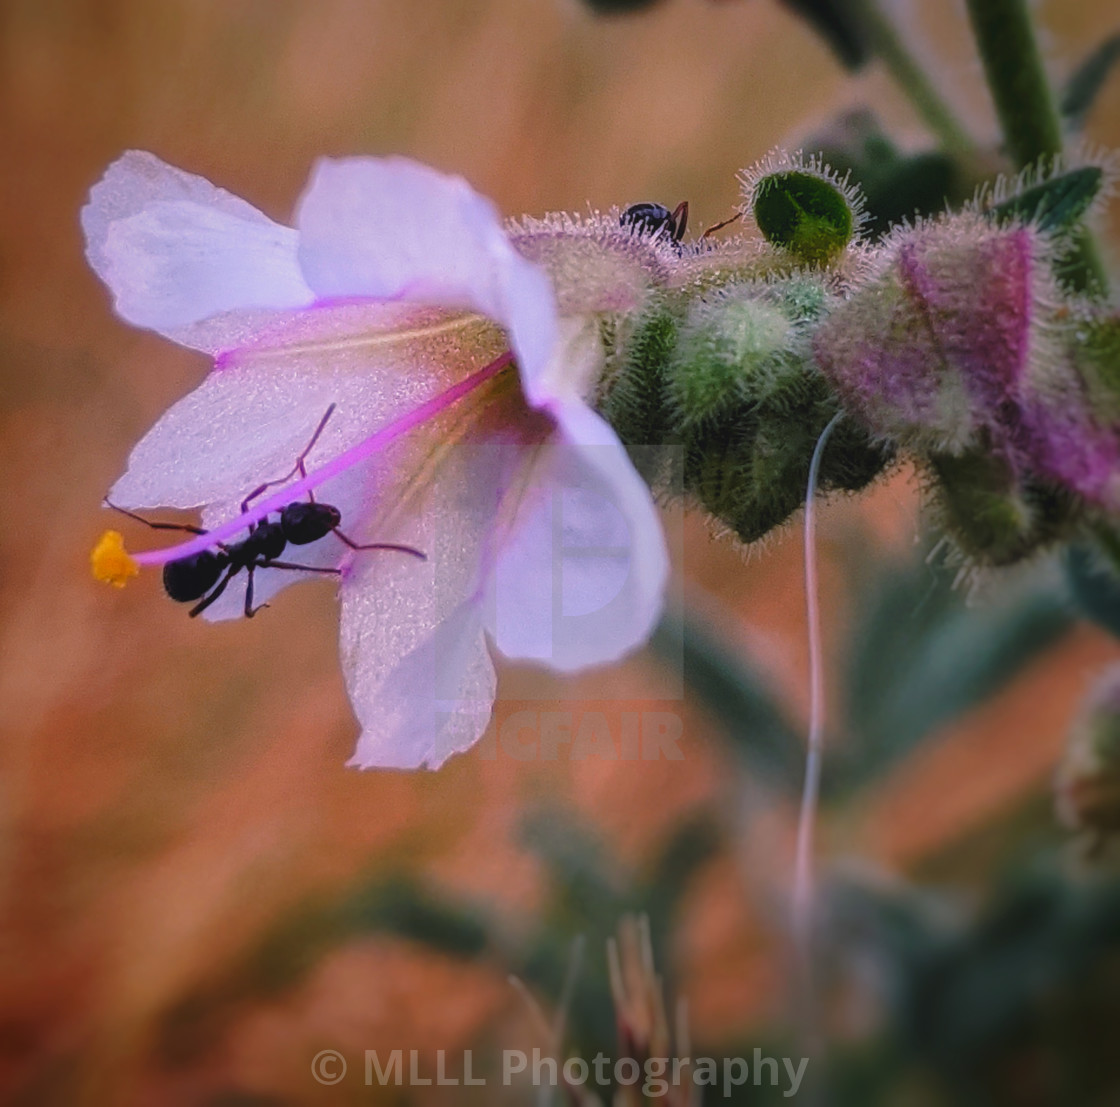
[{"x": 803, "y": 878}]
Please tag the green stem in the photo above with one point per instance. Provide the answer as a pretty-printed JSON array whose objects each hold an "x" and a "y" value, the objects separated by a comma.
[
  {"x": 1013, "y": 65},
  {"x": 1028, "y": 115},
  {"x": 888, "y": 44}
]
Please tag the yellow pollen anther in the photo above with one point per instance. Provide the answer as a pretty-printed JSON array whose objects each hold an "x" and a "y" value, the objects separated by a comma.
[{"x": 110, "y": 561}]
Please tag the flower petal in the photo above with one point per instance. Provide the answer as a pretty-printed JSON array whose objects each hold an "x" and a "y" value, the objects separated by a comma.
[
  {"x": 580, "y": 579},
  {"x": 252, "y": 417},
  {"x": 395, "y": 229},
  {"x": 413, "y": 648},
  {"x": 435, "y": 702},
  {"x": 175, "y": 251}
]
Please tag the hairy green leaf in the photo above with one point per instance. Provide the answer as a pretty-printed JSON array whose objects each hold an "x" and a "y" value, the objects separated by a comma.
[{"x": 1055, "y": 204}]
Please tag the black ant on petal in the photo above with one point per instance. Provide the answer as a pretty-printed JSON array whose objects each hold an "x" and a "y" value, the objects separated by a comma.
[
  {"x": 656, "y": 219},
  {"x": 204, "y": 576}
]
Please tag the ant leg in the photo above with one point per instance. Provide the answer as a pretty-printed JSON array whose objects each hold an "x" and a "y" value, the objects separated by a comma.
[
  {"x": 199, "y": 608},
  {"x": 300, "y": 568},
  {"x": 679, "y": 222},
  {"x": 380, "y": 546},
  {"x": 299, "y": 466},
  {"x": 250, "y": 610},
  {"x": 260, "y": 488},
  {"x": 155, "y": 526}
]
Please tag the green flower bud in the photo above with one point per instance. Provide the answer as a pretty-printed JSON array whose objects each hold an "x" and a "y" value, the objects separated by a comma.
[
  {"x": 994, "y": 517},
  {"x": 746, "y": 342},
  {"x": 803, "y": 207},
  {"x": 750, "y": 468},
  {"x": 632, "y": 398},
  {"x": 729, "y": 378}
]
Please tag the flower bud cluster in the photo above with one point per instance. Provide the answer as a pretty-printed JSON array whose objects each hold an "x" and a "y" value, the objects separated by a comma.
[
  {"x": 729, "y": 379},
  {"x": 720, "y": 362},
  {"x": 953, "y": 340},
  {"x": 965, "y": 350}
]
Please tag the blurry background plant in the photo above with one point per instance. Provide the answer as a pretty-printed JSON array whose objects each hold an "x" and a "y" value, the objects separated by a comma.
[{"x": 197, "y": 897}]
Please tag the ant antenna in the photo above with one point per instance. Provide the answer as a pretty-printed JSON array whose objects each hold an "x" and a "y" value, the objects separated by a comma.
[
  {"x": 719, "y": 226},
  {"x": 299, "y": 467},
  {"x": 148, "y": 523}
]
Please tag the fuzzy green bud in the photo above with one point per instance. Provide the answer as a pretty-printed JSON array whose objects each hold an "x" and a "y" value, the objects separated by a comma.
[
  {"x": 739, "y": 344},
  {"x": 803, "y": 207},
  {"x": 750, "y": 468},
  {"x": 730, "y": 380},
  {"x": 994, "y": 517}
]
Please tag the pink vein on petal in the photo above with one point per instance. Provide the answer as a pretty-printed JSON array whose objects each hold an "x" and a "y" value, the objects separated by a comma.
[{"x": 366, "y": 448}]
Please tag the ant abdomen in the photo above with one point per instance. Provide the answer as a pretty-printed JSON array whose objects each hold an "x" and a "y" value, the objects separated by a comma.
[{"x": 190, "y": 578}]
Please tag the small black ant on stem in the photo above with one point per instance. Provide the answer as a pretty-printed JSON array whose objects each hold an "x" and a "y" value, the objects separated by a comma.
[
  {"x": 656, "y": 219},
  {"x": 204, "y": 576}
]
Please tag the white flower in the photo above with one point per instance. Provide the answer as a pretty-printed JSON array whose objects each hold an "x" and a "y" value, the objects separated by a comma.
[{"x": 399, "y": 298}]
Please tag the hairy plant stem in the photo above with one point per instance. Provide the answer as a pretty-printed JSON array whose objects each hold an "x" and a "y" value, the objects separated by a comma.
[
  {"x": 890, "y": 47},
  {"x": 1028, "y": 116}
]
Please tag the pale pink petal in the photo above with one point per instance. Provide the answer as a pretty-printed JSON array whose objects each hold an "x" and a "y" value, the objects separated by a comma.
[
  {"x": 252, "y": 417},
  {"x": 185, "y": 258},
  {"x": 413, "y": 648},
  {"x": 555, "y": 550},
  {"x": 392, "y": 228},
  {"x": 435, "y": 702},
  {"x": 580, "y": 579}
]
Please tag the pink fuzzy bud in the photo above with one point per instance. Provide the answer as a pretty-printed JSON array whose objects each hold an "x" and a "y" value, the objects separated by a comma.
[{"x": 960, "y": 343}]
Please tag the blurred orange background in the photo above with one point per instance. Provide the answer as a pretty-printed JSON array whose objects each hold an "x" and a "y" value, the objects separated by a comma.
[{"x": 169, "y": 788}]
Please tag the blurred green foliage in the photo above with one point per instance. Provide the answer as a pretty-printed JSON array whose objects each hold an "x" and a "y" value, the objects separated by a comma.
[
  {"x": 1006, "y": 999},
  {"x": 896, "y": 186},
  {"x": 1094, "y": 587},
  {"x": 1084, "y": 86}
]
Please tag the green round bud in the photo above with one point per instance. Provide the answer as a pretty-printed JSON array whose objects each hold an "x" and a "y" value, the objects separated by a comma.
[
  {"x": 803, "y": 207},
  {"x": 729, "y": 379},
  {"x": 746, "y": 342},
  {"x": 729, "y": 348}
]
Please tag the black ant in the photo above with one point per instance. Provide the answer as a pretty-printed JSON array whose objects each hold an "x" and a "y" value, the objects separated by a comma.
[
  {"x": 205, "y": 575},
  {"x": 655, "y": 219}
]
